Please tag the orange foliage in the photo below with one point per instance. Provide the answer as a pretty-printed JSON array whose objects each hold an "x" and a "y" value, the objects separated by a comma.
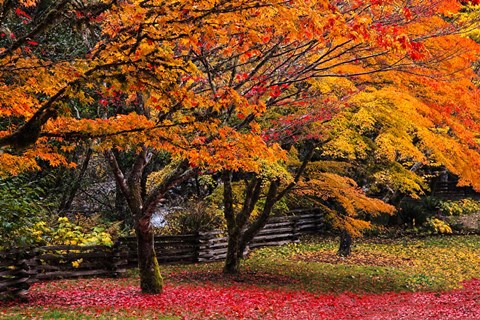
[{"x": 344, "y": 203}]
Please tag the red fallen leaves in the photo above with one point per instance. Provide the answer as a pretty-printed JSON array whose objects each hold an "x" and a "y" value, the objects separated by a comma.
[{"x": 208, "y": 301}]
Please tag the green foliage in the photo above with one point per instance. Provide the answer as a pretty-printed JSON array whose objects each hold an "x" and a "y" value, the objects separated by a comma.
[
  {"x": 430, "y": 204},
  {"x": 460, "y": 207},
  {"x": 424, "y": 216},
  {"x": 196, "y": 216},
  {"x": 412, "y": 214},
  {"x": 25, "y": 221},
  {"x": 21, "y": 207}
]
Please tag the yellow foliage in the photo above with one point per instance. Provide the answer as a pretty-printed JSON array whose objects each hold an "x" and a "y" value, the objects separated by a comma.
[
  {"x": 438, "y": 226},
  {"x": 65, "y": 232}
]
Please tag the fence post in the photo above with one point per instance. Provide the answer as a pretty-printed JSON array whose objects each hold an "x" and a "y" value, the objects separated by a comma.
[
  {"x": 212, "y": 247},
  {"x": 203, "y": 246},
  {"x": 319, "y": 222},
  {"x": 17, "y": 273},
  {"x": 198, "y": 243},
  {"x": 296, "y": 234},
  {"x": 119, "y": 259}
]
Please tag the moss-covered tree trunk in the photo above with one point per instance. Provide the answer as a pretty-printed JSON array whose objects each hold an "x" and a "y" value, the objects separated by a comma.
[
  {"x": 232, "y": 262},
  {"x": 151, "y": 281},
  {"x": 234, "y": 254}
]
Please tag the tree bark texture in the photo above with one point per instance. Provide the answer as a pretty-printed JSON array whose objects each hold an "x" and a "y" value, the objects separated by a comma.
[
  {"x": 240, "y": 232},
  {"x": 345, "y": 244},
  {"x": 234, "y": 254},
  {"x": 151, "y": 281}
]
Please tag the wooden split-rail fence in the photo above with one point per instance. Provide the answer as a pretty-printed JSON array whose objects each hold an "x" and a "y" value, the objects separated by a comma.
[{"x": 20, "y": 269}]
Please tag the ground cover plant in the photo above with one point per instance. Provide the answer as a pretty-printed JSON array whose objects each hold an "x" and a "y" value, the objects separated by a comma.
[{"x": 429, "y": 278}]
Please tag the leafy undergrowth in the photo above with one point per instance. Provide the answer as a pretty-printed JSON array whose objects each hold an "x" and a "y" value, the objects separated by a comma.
[
  {"x": 401, "y": 279},
  {"x": 105, "y": 299}
]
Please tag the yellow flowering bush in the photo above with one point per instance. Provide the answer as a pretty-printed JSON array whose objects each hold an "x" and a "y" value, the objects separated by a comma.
[
  {"x": 82, "y": 232},
  {"x": 437, "y": 226},
  {"x": 65, "y": 232}
]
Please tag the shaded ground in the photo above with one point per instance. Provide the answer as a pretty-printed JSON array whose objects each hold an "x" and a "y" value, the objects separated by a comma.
[{"x": 208, "y": 301}]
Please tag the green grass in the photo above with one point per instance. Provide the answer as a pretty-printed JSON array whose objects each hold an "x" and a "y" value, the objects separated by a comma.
[
  {"x": 36, "y": 313},
  {"x": 434, "y": 263}
]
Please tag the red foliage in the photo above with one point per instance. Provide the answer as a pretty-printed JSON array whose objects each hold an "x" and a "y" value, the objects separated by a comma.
[{"x": 238, "y": 302}]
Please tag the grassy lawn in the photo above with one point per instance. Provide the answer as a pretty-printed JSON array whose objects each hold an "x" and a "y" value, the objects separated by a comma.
[
  {"x": 87, "y": 314},
  {"x": 433, "y": 264},
  {"x": 376, "y": 269}
]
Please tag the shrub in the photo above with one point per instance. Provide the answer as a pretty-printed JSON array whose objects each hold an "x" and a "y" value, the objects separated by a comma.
[
  {"x": 194, "y": 217},
  {"x": 412, "y": 214},
  {"x": 83, "y": 231},
  {"x": 436, "y": 225},
  {"x": 21, "y": 207},
  {"x": 460, "y": 207},
  {"x": 431, "y": 204}
]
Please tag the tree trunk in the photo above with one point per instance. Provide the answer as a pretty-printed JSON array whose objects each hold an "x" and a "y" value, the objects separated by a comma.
[
  {"x": 151, "y": 281},
  {"x": 234, "y": 255},
  {"x": 238, "y": 236},
  {"x": 345, "y": 244}
]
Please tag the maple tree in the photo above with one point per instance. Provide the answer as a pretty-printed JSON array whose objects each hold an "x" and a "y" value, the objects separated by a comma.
[
  {"x": 399, "y": 123},
  {"x": 196, "y": 81},
  {"x": 340, "y": 197}
]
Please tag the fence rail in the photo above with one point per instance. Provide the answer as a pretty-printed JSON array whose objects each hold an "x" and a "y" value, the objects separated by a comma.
[
  {"x": 17, "y": 273},
  {"x": 20, "y": 269}
]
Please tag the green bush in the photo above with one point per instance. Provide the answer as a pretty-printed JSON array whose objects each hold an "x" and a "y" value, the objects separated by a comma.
[
  {"x": 459, "y": 207},
  {"x": 431, "y": 204},
  {"x": 412, "y": 214},
  {"x": 194, "y": 217},
  {"x": 21, "y": 207}
]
